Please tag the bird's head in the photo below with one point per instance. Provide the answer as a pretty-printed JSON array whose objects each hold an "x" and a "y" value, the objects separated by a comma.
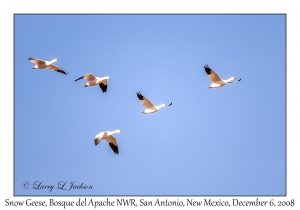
[
  {"x": 232, "y": 79},
  {"x": 143, "y": 112},
  {"x": 165, "y": 105},
  {"x": 119, "y": 131},
  {"x": 54, "y": 60}
]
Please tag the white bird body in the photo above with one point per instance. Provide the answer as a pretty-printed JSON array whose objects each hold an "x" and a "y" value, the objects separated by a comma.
[
  {"x": 150, "y": 108},
  {"x": 41, "y": 64},
  {"x": 111, "y": 140},
  {"x": 45, "y": 64},
  {"x": 92, "y": 81},
  {"x": 215, "y": 79}
]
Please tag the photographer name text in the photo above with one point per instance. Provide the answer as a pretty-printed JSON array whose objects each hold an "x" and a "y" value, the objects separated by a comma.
[{"x": 61, "y": 185}]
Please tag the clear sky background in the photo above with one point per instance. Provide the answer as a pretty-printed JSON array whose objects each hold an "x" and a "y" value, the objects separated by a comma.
[{"x": 223, "y": 141}]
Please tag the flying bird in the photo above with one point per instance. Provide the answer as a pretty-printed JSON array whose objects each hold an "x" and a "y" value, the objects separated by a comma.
[
  {"x": 92, "y": 81},
  {"x": 41, "y": 64},
  {"x": 108, "y": 136},
  {"x": 215, "y": 79},
  {"x": 150, "y": 108}
]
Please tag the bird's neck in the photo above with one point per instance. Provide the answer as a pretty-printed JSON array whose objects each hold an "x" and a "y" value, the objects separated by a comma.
[
  {"x": 116, "y": 131},
  {"x": 160, "y": 106},
  {"x": 53, "y": 61},
  {"x": 228, "y": 80}
]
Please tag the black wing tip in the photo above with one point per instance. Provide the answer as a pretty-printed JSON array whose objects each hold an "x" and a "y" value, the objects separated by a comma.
[
  {"x": 96, "y": 142},
  {"x": 207, "y": 69},
  {"x": 139, "y": 95},
  {"x": 78, "y": 78},
  {"x": 30, "y": 58},
  {"x": 170, "y": 104},
  {"x": 62, "y": 71},
  {"x": 114, "y": 148},
  {"x": 206, "y": 66},
  {"x": 103, "y": 87},
  {"x": 240, "y": 79}
]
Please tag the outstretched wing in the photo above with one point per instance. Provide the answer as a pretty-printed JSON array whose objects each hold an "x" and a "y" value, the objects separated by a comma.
[
  {"x": 88, "y": 77},
  {"x": 112, "y": 143},
  {"x": 98, "y": 138},
  {"x": 145, "y": 101},
  {"x": 212, "y": 75},
  {"x": 56, "y": 68},
  {"x": 36, "y": 61}
]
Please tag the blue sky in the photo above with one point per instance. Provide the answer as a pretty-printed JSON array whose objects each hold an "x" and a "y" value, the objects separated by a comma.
[{"x": 225, "y": 141}]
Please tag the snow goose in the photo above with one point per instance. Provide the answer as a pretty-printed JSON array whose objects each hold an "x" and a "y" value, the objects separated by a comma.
[
  {"x": 92, "y": 81},
  {"x": 150, "y": 108},
  {"x": 215, "y": 79},
  {"x": 108, "y": 136},
  {"x": 41, "y": 64}
]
